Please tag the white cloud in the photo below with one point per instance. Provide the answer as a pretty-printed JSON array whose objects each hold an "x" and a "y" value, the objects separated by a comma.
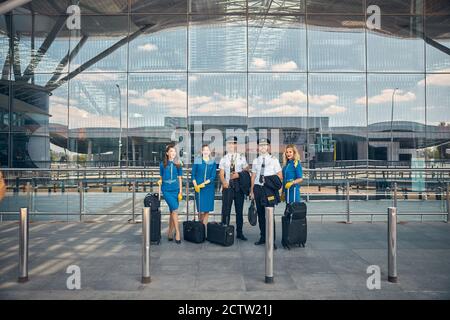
[
  {"x": 442, "y": 80},
  {"x": 149, "y": 47},
  {"x": 259, "y": 63},
  {"x": 323, "y": 100},
  {"x": 289, "y": 98},
  {"x": 283, "y": 67},
  {"x": 386, "y": 96},
  {"x": 332, "y": 110}
]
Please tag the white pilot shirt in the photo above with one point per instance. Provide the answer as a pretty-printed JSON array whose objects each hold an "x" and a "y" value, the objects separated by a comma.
[
  {"x": 225, "y": 164},
  {"x": 272, "y": 166}
]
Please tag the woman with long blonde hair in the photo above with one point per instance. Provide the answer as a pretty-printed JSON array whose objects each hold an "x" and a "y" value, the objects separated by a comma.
[{"x": 292, "y": 174}]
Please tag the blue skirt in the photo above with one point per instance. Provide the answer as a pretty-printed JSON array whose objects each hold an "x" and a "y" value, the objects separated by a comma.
[
  {"x": 205, "y": 200},
  {"x": 171, "y": 198}
]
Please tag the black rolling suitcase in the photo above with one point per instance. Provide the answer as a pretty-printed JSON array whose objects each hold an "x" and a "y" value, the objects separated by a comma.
[
  {"x": 293, "y": 225},
  {"x": 220, "y": 234},
  {"x": 194, "y": 231},
  {"x": 153, "y": 200}
]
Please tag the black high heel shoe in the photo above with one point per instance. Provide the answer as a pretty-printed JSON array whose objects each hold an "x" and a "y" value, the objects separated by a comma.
[
  {"x": 170, "y": 239},
  {"x": 178, "y": 241}
]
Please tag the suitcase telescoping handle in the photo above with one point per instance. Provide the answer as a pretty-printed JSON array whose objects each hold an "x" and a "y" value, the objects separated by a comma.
[{"x": 287, "y": 196}]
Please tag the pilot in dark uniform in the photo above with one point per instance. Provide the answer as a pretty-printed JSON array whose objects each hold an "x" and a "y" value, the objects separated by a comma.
[{"x": 230, "y": 166}]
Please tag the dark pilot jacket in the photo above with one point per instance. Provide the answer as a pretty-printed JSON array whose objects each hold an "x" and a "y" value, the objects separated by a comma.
[{"x": 272, "y": 185}]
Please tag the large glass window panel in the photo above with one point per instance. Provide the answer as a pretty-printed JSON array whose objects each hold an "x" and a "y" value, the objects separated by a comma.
[
  {"x": 30, "y": 108},
  {"x": 4, "y": 149},
  {"x": 217, "y": 43},
  {"x": 39, "y": 122},
  {"x": 398, "y": 46},
  {"x": 218, "y": 95},
  {"x": 336, "y": 43},
  {"x": 4, "y": 47},
  {"x": 105, "y": 47},
  {"x": 50, "y": 7},
  {"x": 438, "y": 43},
  {"x": 277, "y": 43},
  {"x": 437, "y": 7},
  {"x": 438, "y": 116},
  {"x": 41, "y": 43},
  {"x": 157, "y": 106},
  {"x": 217, "y": 6},
  {"x": 97, "y": 117},
  {"x": 4, "y": 105},
  {"x": 335, "y": 6},
  {"x": 397, "y": 114},
  {"x": 276, "y": 6},
  {"x": 31, "y": 149},
  {"x": 279, "y": 101},
  {"x": 337, "y": 117},
  {"x": 162, "y": 47},
  {"x": 398, "y": 6},
  {"x": 160, "y": 6}
]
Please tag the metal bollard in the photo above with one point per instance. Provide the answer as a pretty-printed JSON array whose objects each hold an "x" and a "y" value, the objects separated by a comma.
[
  {"x": 448, "y": 203},
  {"x": 23, "y": 245},
  {"x": 348, "y": 202},
  {"x": 146, "y": 245},
  {"x": 269, "y": 245},
  {"x": 133, "y": 201},
  {"x": 392, "y": 244}
]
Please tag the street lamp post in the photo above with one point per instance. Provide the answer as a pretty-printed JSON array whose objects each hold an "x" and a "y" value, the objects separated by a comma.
[
  {"x": 392, "y": 125},
  {"x": 120, "y": 124}
]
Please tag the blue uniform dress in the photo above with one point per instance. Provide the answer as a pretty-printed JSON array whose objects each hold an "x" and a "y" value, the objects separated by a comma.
[
  {"x": 290, "y": 173},
  {"x": 201, "y": 171},
  {"x": 170, "y": 185}
]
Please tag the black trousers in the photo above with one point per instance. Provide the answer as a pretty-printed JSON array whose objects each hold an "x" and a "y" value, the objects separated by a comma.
[
  {"x": 258, "y": 193},
  {"x": 228, "y": 196}
]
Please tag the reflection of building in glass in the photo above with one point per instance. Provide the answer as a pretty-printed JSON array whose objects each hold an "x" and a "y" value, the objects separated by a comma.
[{"x": 323, "y": 79}]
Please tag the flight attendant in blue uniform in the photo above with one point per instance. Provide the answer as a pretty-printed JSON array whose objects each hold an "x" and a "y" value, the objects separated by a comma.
[
  {"x": 171, "y": 173},
  {"x": 292, "y": 174},
  {"x": 203, "y": 176}
]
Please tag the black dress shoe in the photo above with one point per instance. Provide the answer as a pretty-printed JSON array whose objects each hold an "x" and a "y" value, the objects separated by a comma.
[
  {"x": 275, "y": 247},
  {"x": 242, "y": 237},
  {"x": 260, "y": 241}
]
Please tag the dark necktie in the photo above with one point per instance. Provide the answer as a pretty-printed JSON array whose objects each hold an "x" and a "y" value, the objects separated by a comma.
[{"x": 261, "y": 175}]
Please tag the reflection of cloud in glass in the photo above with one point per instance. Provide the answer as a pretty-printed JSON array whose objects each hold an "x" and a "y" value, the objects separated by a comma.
[
  {"x": 386, "y": 96},
  {"x": 79, "y": 118},
  {"x": 173, "y": 100},
  {"x": 259, "y": 63},
  {"x": 437, "y": 79},
  {"x": 285, "y": 110},
  {"x": 149, "y": 47},
  {"x": 332, "y": 110},
  {"x": 285, "y": 67}
]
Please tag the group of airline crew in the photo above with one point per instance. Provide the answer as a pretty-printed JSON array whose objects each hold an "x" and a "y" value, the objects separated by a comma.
[{"x": 232, "y": 168}]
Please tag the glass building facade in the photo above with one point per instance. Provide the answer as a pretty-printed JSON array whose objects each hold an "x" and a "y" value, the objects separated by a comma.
[{"x": 318, "y": 71}]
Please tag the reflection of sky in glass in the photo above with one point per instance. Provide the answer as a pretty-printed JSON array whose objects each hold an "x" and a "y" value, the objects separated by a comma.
[
  {"x": 152, "y": 97},
  {"x": 409, "y": 99},
  {"x": 218, "y": 48},
  {"x": 341, "y": 97}
]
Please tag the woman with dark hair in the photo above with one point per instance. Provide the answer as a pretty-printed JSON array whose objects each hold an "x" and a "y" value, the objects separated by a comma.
[
  {"x": 203, "y": 176},
  {"x": 171, "y": 174}
]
